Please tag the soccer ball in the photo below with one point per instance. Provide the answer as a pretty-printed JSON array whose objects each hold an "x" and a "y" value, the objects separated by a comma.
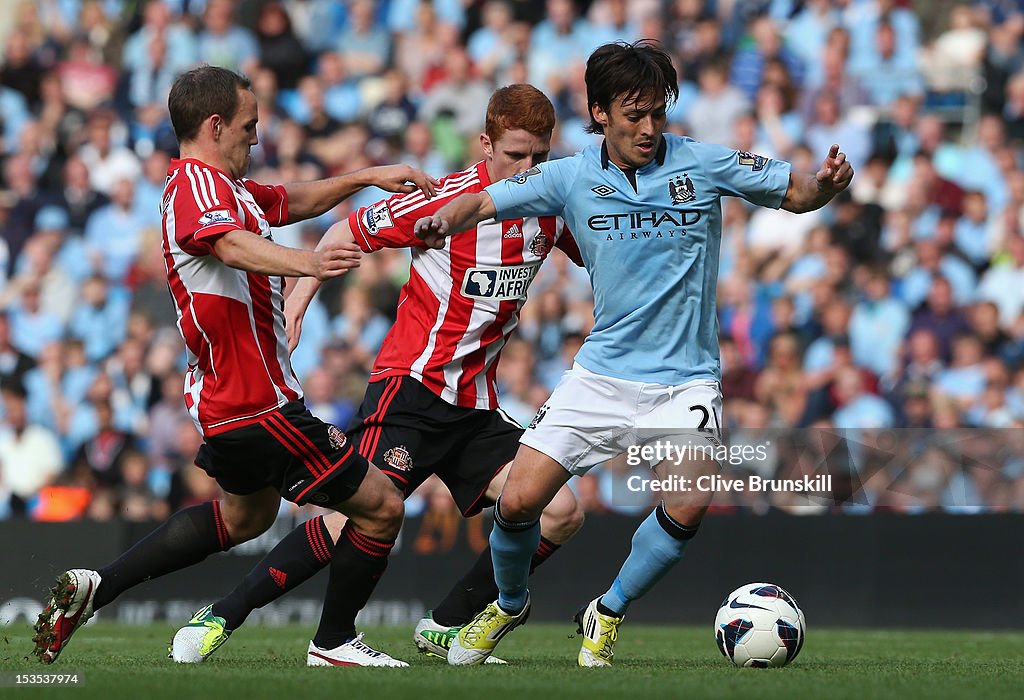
[{"x": 760, "y": 626}]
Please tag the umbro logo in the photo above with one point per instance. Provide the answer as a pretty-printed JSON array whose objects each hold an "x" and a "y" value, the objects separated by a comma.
[
  {"x": 602, "y": 190},
  {"x": 513, "y": 232}
]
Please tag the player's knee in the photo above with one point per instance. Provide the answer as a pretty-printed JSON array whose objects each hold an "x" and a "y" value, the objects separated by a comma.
[
  {"x": 562, "y": 518},
  {"x": 244, "y": 525},
  {"x": 516, "y": 507},
  {"x": 686, "y": 515},
  {"x": 573, "y": 520},
  {"x": 389, "y": 515}
]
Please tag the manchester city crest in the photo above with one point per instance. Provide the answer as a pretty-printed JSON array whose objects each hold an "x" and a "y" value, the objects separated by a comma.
[
  {"x": 680, "y": 189},
  {"x": 398, "y": 458}
]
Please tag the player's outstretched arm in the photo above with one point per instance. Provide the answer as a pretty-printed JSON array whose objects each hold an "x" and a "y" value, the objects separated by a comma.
[
  {"x": 298, "y": 300},
  {"x": 809, "y": 192},
  {"x": 247, "y": 251},
  {"x": 309, "y": 199},
  {"x": 461, "y": 214}
]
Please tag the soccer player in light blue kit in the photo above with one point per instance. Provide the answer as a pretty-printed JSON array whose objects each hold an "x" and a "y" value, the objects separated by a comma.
[{"x": 645, "y": 210}]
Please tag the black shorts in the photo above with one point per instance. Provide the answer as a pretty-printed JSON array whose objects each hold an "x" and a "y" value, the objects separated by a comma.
[
  {"x": 305, "y": 459},
  {"x": 409, "y": 433}
]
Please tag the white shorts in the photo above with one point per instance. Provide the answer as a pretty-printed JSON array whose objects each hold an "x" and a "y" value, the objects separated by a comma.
[{"x": 590, "y": 418}]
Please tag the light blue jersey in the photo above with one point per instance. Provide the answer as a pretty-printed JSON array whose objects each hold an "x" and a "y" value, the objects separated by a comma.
[{"x": 651, "y": 252}]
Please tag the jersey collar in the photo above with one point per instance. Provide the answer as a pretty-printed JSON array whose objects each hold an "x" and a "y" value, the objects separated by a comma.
[
  {"x": 481, "y": 171},
  {"x": 659, "y": 155},
  {"x": 177, "y": 162}
]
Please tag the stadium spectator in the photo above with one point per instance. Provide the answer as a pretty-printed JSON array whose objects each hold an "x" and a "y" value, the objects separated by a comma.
[
  {"x": 158, "y": 23},
  {"x": 78, "y": 198},
  {"x": 99, "y": 320},
  {"x": 14, "y": 364},
  {"x": 856, "y": 407},
  {"x": 490, "y": 47},
  {"x": 712, "y": 114},
  {"x": 364, "y": 44},
  {"x": 421, "y": 46},
  {"x": 878, "y": 325},
  {"x": 107, "y": 161},
  {"x": 30, "y": 456},
  {"x": 222, "y": 42},
  {"x": 1002, "y": 283},
  {"x": 342, "y": 99},
  {"x": 807, "y": 33},
  {"x": 750, "y": 60},
  {"x": 829, "y": 124},
  {"x": 457, "y": 97},
  {"x": 887, "y": 71},
  {"x": 103, "y": 453},
  {"x": 280, "y": 50},
  {"x": 556, "y": 43},
  {"x": 113, "y": 236}
]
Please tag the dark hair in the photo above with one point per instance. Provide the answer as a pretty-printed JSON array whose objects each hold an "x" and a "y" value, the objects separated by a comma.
[
  {"x": 519, "y": 106},
  {"x": 640, "y": 73},
  {"x": 200, "y": 93},
  {"x": 14, "y": 386}
]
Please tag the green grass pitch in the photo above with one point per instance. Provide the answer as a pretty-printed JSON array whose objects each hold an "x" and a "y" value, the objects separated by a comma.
[{"x": 651, "y": 662}]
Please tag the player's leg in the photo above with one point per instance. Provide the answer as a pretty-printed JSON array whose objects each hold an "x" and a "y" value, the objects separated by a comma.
[
  {"x": 294, "y": 560},
  {"x": 559, "y": 521},
  {"x": 660, "y": 540},
  {"x": 302, "y": 553},
  {"x": 657, "y": 545},
  {"x": 375, "y": 514},
  {"x": 533, "y": 480},
  {"x": 329, "y": 471},
  {"x": 186, "y": 538},
  {"x": 580, "y": 425},
  {"x": 311, "y": 545},
  {"x": 475, "y": 480},
  {"x": 322, "y": 467}
]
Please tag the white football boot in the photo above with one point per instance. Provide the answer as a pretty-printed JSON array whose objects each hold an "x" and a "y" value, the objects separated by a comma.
[{"x": 351, "y": 653}]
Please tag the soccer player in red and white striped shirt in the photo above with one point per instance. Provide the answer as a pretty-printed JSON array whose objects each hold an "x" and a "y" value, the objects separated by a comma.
[
  {"x": 225, "y": 274},
  {"x": 432, "y": 406}
]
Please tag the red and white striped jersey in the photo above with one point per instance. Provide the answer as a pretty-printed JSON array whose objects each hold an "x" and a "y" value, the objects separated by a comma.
[
  {"x": 232, "y": 321},
  {"x": 462, "y": 302}
]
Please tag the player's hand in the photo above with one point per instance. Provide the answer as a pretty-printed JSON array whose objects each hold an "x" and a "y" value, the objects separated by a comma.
[
  {"x": 432, "y": 230},
  {"x": 402, "y": 178},
  {"x": 336, "y": 261},
  {"x": 835, "y": 173}
]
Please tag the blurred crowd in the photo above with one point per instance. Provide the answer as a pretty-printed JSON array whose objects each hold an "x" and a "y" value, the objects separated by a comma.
[{"x": 900, "y": 306}]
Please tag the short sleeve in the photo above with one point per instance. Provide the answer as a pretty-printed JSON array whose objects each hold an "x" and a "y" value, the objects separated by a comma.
[
  {"x": 272, "y": 199},
  {"x": 390, "y": 223},
  {"x": 204, "y": 209},
  {"x": 539, "y": 191},
  {"x": 762, "y": 181}
]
